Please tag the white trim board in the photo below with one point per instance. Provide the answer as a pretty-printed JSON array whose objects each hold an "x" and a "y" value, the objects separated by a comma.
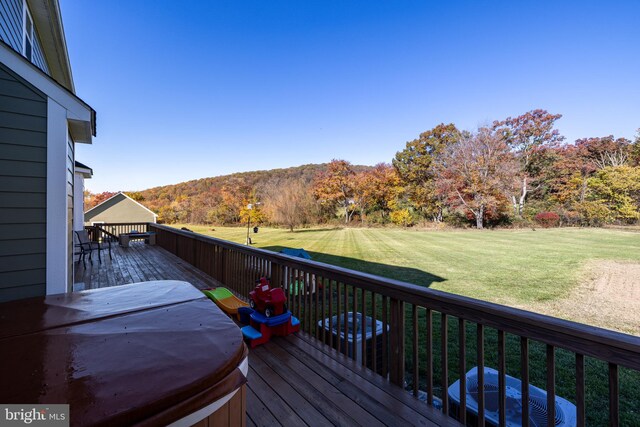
[{"x": 57, "y": 234}]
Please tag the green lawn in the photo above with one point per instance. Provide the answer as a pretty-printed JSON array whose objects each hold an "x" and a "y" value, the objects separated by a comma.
[
  {"x": 513, "y": 267},
  {"x": 524, "y": 268}
]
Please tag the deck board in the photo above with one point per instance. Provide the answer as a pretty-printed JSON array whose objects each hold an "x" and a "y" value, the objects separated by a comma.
[
  {"x": 338, "y": 407},
  {"x": 285, "y": 392},
  {"x": 292, "y": 381}
]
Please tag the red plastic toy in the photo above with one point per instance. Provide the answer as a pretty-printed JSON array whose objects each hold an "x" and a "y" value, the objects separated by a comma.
[{"x": 267, "y": 300}]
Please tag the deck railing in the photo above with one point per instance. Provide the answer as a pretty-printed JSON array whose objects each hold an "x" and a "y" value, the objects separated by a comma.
[
  {"x": 424, "y": 340},
  {"x": 115, "y": 229}
]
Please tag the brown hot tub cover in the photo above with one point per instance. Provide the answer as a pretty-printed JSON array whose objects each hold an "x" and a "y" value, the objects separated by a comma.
[{"x": 145, "y": 353}]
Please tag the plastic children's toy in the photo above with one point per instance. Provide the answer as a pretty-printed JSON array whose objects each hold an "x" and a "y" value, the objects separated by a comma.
[
  {"x": 270, "y": 316},
  {"x": 262, "y": 328},
  {"x": 228, "y": 302},
  {"x": 267, "y": 300}
]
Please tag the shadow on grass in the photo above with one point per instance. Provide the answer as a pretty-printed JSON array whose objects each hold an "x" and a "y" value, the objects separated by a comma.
[{"x": 405, "y": 274}]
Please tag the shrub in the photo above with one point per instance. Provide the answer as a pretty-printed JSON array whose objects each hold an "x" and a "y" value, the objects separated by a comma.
[
  {"x": 402, "y": 217},
  {"x": 376, "y": 218},
  {"x": 569, "y": 217},
  {"x": 523, "y": 222},
  {"x": 595, "y": 212},
  {"x": 547, "y": 219}
]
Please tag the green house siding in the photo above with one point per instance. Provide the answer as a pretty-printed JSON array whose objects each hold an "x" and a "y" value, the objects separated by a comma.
[
  {"x": 118, "y": 209},
  {"x": 23, "y": 188}
]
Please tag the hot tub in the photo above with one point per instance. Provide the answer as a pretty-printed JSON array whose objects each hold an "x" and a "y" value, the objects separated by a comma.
[{"x": 152, "y": 353}]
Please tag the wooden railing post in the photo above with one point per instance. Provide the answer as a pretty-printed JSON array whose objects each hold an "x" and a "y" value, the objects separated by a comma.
[
  {"x": 276, "y": 275},
  {"x": 396, "y": 353},
  {"x": 224, "y": 257}
]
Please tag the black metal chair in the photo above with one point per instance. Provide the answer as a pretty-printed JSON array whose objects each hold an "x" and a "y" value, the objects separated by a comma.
[{"x": 86, "y": 245}]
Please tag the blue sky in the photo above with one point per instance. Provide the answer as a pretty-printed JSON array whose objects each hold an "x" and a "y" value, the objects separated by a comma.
[{"x": 188, "y": 90}]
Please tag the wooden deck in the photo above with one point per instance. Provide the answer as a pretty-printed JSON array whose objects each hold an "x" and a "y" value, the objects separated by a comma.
[
  {"x": 137, "y": 263},
  {"x": 292, "y": 381}
]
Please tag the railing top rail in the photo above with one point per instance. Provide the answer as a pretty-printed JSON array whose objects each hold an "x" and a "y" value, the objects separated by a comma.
[
  {"x": 614, "y": 347},
  {"x": 121, "y": 223},
  {"x": 107, "y": 232}
]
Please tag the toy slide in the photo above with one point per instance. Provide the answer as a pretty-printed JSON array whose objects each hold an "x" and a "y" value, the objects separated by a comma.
[{"x": 227, "y": 301}]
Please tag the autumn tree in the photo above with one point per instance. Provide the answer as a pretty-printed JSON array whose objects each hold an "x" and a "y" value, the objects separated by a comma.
[
  {"x": 252, "y": 212},
  {"x": 576, "y": 164},
  {"x": 92, "y": 200},
  {"x": 618, "y": 189},
  {"x": 598, "y": 153},
  {"x": 528, "y": 136},
  {"x": 232, "y": 198},
  {"x": 475, "y": 172},
  {"x": 135, "y": 195},
  {"x": 567, "y": 177},
  {"x": 376, "y": 189},
  {"x": 334, "y": 187},
  {"x": 415, "y": 166},
  {"x": 289, "y": 202},
  {"x": 634, "y": 151}
]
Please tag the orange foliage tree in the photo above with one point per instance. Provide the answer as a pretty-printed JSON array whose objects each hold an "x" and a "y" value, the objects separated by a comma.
[
  {"x": 476, "y": 172},
  {"x": 334, "y": 187}
]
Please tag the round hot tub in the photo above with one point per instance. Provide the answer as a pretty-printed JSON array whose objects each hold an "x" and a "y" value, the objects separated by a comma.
[{"x": 152, "y": 353}]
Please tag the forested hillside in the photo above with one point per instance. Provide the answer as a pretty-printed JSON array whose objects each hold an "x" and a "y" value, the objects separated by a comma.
[
  {"x": 223, "y": 199},
  {"x": 517, "y": 171}
]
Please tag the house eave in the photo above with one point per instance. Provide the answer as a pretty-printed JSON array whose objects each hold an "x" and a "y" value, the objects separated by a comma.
[
  {"x": 83, "y": 170},
  {"x": 80, "y": 131},
  {"x": 48, "y": 22},
  {"x": 80, "y": 116}
]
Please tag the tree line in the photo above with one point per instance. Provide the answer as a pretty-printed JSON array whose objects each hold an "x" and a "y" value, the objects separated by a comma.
[{"x": 519, "y": 171}]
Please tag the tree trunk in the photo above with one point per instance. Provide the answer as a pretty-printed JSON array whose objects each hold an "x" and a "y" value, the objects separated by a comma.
[
  {"x": 438, "y": 215},
  {"x": 523, "y": 196},
  {"x": 480, "y": 218},
  {"x": 518, "y": 204}
]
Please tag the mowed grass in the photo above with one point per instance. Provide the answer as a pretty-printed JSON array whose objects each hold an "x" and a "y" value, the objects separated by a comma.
[{"x": 513, "y": 267}]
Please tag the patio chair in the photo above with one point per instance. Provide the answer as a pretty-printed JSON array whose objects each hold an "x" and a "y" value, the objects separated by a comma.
[{"x": 87, "y": 246}]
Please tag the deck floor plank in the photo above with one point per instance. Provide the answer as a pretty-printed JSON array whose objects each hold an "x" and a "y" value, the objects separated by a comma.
[
  {"x": 257, "y": 412},
  {"x": 383, "y": 405},
  {"x": 280, "y": 407},
  {"x": 286, "y": 392},
  {"x": 335, "y": 405}
]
